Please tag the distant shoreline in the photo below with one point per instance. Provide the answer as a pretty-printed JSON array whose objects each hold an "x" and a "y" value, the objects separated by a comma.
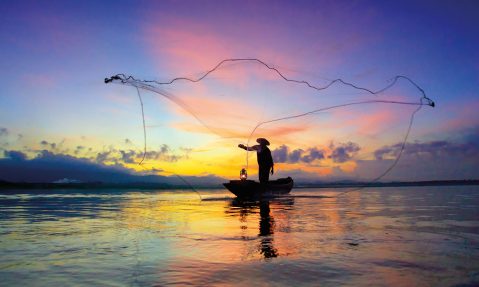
[
  {"x": 150, "y": 186},
  {"x": 391, "y": 184}
]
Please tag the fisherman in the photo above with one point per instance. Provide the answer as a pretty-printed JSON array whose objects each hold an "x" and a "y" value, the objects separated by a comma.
[{"x": 265, "y": 160}]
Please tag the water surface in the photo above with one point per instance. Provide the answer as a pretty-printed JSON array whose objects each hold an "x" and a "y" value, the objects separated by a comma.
[{"x": 426, "y": 236}]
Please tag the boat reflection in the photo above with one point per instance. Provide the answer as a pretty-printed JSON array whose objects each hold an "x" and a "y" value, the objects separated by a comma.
[{"x": 266, "y": 220}]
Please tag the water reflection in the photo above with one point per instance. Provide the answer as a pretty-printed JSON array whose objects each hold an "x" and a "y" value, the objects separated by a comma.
[
  {"x": 266, "y": 221},
  {"x": 381, "y": 237},
  {"x": 266, "y": 228}
]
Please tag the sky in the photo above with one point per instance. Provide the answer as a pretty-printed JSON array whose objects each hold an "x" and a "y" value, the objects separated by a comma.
[{"x": 56, "y": 110}]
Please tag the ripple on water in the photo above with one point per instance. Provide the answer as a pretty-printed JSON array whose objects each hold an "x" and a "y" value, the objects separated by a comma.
[{"x": 386, "y": 236}]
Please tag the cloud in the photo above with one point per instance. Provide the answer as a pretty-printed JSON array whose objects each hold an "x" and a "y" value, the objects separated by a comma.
[
  {"x": 103, "y": 157},
  {"x": 128, "y": 156},
  {"x": 295, "y": 155},
  {"x": 431, "y": 160},
  {"x": 49, "y": 167},
  {"x": 79, "y": 149},
  {"x": 120, "y": 156},
  {"x": 280, "y": 154},
  {"x": 432, "y": 149},
  {"x": 163, "y": 154},
  {"x": 314, "y": 154},
  {"x": 15, "y": 155},
  {"x": 343, "y": 152},
  {"x": 51, "y": 145},
  {"x": 283, "y": 155}
]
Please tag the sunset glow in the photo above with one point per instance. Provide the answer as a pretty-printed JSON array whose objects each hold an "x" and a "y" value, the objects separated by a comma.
[{"x": 54, "y": 103}]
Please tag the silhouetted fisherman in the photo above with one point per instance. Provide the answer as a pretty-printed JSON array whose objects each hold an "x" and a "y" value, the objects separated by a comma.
[{"x": 265, "y": 160}]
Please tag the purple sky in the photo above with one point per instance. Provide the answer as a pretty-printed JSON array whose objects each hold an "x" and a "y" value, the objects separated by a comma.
[{"x": 55, "y": 55}]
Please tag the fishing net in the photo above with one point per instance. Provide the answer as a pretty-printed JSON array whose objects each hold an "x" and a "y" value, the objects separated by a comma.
[{"x": 319, "y": 128}]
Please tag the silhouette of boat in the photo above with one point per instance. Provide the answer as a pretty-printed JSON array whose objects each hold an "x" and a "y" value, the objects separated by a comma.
[{"x": 254, "y": 189}]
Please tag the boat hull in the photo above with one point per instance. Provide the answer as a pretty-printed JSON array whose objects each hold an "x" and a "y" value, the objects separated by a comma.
[{"x": 254, "y": 189}]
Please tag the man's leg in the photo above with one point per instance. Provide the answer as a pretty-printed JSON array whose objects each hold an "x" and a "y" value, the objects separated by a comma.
[{"x": 263, "y": 175}]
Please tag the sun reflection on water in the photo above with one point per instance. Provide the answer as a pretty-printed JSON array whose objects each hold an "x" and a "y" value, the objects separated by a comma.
[{"x": 384, "y": 236}]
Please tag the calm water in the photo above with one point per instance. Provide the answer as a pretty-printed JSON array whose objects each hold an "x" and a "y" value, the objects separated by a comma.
[{"x": 427, "y": 236}]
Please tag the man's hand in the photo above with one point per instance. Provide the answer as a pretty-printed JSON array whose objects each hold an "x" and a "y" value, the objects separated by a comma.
[
  {"x": 242, "y": 146},
  {"x": 272, "y": 170}
]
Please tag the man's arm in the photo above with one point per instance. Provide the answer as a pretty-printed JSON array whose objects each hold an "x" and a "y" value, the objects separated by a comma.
[
  {"x": 250, "y": 148},
  {"x": 270, "y": 157}
]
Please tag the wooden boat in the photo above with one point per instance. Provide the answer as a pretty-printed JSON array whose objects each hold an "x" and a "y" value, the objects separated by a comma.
[{"x": 254, "y": 189}]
